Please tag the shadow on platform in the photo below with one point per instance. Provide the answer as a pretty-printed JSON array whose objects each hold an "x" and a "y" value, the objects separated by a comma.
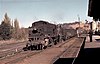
[
  {"x": 90, "y": 56},
  {"x": 64, "y": 61},
  {"x": 97, "y": 40}
]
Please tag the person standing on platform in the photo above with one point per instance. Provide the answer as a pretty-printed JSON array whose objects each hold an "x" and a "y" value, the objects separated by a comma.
[
  {"x": 90, "y": 35},
  {"x": 77, "y": 31}
]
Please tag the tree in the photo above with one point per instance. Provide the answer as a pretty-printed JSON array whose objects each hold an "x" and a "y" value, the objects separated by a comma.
[
  {"x": 16, "y": 24},
  {"x": 19, "y": 33},
  {"x": 8, "y": 31},
  {"x": 16, "y": 30},
  {"x": 6, "y": 19},
  {"x": 24, "y": 33},
  {"x": 5, "y": 28}
]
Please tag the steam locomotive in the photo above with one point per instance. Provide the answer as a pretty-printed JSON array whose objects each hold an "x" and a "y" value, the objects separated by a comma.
[{"x": 43, "y": 34}]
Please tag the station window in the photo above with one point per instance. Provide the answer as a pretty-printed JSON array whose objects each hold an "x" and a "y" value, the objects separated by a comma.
[
  {"x": 37, "y": 38},
  {"x": 32, "y": 39}
]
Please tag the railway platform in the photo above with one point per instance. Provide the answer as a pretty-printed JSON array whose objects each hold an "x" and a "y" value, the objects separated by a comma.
[{"x": 91, "y": 52}]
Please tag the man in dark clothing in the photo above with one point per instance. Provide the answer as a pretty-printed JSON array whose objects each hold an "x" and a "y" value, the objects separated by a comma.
[{"x": 90, "y": 35}]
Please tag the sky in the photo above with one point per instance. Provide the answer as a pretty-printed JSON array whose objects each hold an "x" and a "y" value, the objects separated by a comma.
[{"x": 53, "y": 11}]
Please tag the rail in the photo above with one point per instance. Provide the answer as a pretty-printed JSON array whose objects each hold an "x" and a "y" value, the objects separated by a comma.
[
  {"x": 70, "y": 55},
  {"x": 80, "y": 52}
]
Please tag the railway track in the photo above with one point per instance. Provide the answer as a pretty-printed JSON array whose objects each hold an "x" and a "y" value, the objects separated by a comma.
[
  {"x": 72, "y": 50},
  {"x": 67, "y": 45},
  {"x": 50, "y": 55},
  {"x": 10, "y": 49},
  {"x": 64, "y": 43},
  {"x": 20, "y": 55}
]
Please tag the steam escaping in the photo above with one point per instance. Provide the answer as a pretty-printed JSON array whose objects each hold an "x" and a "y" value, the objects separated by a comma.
[{"x": 57, "y": 17}]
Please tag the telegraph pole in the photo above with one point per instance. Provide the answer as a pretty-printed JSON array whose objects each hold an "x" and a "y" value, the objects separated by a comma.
[{"x": 78, "y": 19}]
